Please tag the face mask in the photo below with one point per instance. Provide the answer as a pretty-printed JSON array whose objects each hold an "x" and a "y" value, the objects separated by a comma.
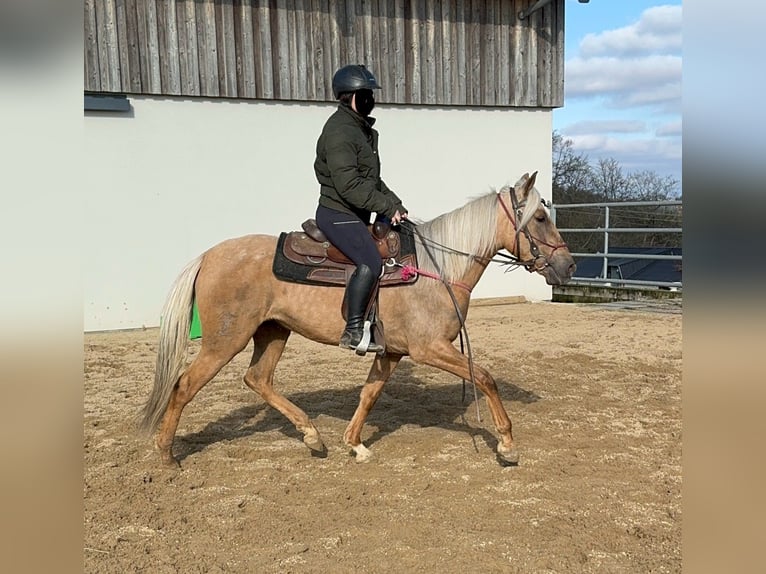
[{"x": 364, "y": 102}]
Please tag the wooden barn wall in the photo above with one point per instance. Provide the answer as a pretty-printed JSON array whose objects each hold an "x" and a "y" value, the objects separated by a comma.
[{"x": 475, "y": 53}]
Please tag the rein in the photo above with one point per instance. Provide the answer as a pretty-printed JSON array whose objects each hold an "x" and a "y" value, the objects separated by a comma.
[
  {"x": 463, "y": 330},
  {"x": 512, "y": 260},
  {"x": 409, "y": 271},
  {"x": 508, "y": 259}
]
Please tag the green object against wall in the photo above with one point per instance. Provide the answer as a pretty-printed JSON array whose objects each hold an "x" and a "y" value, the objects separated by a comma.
[{"x": 195, "y": 331}]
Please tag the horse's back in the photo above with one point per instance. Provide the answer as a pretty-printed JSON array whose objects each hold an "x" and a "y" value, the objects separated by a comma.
[
  {"x": 253, "y": 243},
  {"x": 229, "y": 264},
  {"x": 240, "y": 251}
]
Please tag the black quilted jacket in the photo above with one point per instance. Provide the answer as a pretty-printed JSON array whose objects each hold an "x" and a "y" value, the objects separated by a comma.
[{"x": 347, "y": 167}]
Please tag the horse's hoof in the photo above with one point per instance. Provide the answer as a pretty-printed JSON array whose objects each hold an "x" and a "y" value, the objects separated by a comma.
[
  {"x": 169, "y": 462},
  {"x": 362, "y": 453},
  {"x": 314, "y": 442},
  {"x": 508, "y": 455}
]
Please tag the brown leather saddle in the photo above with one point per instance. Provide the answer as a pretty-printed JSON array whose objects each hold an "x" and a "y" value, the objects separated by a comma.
[{"x": 308, "y": 257}]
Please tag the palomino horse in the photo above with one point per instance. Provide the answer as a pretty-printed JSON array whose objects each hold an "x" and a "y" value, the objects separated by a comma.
[{"x": 239, "y": 298}]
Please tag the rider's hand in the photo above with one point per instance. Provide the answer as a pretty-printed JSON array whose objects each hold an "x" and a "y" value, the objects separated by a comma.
[{"x": 398, "y": 216}]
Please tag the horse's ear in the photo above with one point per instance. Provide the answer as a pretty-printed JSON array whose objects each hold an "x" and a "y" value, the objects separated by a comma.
[
  {"x": 530, "y": 183},
  {"x": 522, "y": 181}
]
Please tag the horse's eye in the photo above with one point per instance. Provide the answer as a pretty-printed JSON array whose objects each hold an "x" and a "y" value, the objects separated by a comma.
[{"x": 540, "y": 218}]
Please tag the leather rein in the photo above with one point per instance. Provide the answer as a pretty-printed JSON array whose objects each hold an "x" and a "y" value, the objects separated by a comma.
[
  {"x": 511, "y": 260},
  {"x": 537, "y": 262}
]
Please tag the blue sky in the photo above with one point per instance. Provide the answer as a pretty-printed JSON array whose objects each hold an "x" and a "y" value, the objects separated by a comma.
[{"x": 622, "y": 96}]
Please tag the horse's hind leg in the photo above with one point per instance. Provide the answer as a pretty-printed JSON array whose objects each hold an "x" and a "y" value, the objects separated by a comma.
[
  {"x": 381, "y": 370},
  {"x": 204, "y": 367},
  {"x": 269, "y": 343}
]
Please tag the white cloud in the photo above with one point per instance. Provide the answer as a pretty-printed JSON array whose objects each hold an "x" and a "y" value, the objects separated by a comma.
[
  {"x": 667, "y": 149},
  {"x": 662, "y": 155},
  {"x": 658, "y": 30},
  {"x": 604, "y": 126},
  {"x": 665, "y": 98},
  {"x": 672, "y": 129},
  {"x": 637, "y": 65},
  {"x": 626, "y": 82}
]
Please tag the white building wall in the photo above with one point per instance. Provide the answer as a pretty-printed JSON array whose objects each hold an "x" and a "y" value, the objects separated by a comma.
[{"x": 178, "y": 176}]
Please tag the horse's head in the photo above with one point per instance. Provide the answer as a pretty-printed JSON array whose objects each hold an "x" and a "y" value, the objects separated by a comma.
[{"x": 528, "y": 232}]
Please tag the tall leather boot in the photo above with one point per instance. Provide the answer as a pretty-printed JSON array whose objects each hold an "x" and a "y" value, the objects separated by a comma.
[{"x": 358, "y": 291}]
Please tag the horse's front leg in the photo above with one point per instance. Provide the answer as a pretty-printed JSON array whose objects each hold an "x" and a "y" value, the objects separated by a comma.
[
  {"x": 443, "y": 355},
  {"x": 381, "y": 370}
]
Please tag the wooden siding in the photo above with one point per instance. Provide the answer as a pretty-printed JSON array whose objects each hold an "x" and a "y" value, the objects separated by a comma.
[{"x": 471, "y": 53}]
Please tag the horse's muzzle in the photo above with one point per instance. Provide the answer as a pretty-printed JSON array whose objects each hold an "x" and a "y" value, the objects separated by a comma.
[{"x": 559, "y": 270}]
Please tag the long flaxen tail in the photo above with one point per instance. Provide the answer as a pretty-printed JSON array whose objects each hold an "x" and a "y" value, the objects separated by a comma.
[{"x": 173, "y": 343}]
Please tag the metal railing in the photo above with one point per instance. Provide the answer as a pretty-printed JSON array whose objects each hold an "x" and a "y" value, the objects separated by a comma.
[{"x": 606, "y": 254}]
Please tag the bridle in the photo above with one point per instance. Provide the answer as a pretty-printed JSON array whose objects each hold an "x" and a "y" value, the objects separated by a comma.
[{"x": 538, "y": 262}]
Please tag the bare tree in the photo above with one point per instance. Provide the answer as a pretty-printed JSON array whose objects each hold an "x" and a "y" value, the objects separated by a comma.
[
  {"x": 571, "y": 173},
  {"x": 609, "y": 180},
  {"x": 572, "y": 177},
  {"x": 576, "y": 180},
  {"x": 647, "y": 185}
]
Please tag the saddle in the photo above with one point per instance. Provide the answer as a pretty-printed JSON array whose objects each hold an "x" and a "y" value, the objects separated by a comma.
[
  {"x": 312, "y": 243},
  {"x": 308, "y": 256}
]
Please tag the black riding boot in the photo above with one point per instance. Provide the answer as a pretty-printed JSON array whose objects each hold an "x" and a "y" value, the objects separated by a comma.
[{"x": 358, "y": 291}]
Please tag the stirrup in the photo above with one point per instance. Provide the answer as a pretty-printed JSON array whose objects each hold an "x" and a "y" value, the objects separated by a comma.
[{"x": 364, "y": 343}]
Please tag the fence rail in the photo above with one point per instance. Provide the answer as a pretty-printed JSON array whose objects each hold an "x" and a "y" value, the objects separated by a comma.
[{"x": 615, "y": 277}]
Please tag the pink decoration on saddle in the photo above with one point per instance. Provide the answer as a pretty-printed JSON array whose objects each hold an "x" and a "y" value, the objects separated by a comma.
[{"x": 408, "y": 272}]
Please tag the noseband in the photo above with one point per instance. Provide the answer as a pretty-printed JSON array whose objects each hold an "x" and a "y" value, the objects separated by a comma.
[{"x": 538, "y": 262}]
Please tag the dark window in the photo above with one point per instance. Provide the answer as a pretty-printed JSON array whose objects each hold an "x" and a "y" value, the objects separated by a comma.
[{"x": 106, "y": 103}]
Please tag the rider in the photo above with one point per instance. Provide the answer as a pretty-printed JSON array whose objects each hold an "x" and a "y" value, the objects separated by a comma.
[{"x": 347, "y": 167}]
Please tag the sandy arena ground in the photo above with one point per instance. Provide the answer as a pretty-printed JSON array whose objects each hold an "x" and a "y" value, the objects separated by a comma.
[{"x": 594, "y": 394}]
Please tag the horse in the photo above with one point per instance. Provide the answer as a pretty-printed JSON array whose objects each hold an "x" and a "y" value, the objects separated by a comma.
[{"x": 239, "y": 299}]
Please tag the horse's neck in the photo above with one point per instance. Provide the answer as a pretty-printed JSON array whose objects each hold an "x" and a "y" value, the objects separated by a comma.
[
  {"x": 474, "y": 272},
  {"x": 479, "y": 263}
]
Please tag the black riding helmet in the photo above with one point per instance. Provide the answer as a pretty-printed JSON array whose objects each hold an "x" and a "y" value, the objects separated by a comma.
[{"x": 352, "y": 78}]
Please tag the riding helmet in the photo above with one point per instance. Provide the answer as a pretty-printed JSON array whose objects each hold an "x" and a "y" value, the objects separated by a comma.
[{"x": 352, "y": 78}]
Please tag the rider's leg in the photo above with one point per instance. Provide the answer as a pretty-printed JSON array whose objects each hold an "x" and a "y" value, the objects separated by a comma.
[{"x": 350, "y": 234}]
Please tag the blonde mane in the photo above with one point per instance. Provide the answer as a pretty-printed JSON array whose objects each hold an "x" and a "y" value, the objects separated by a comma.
[{"x": 446, "y": 245}]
